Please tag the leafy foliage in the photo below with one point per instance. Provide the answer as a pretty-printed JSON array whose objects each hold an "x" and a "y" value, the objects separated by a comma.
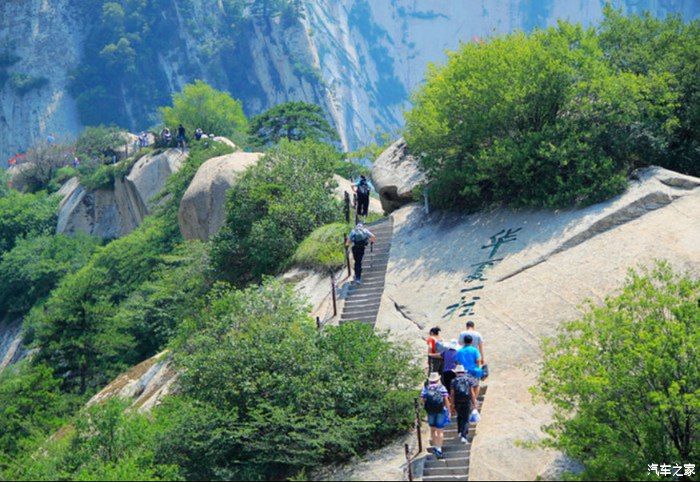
[
  {"x": 24, "y": 83},
  {"x": 214, "y": 111},
  {"x": 645, "y": 45},
  {"x": 625, "y": 379},
  {"x": 266, "y": 394},
  {"x": 294, "y": 121},
  {"x": 175, "y": 292},
  {"x": 25, "y": 215},
  {"x": 35, "y": 265},
  {"x": 31, "y": 405},
  {"x": 272, "y": 207},
  {"x": 105, "y": 443},
  {"x": 98, "y": 145},
  {"x": 42, "y": 163},
  {"x": 538, "y": 120}
]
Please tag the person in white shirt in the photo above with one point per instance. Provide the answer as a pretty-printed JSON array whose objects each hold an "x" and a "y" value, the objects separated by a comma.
[{"x": 477, "y": 339}]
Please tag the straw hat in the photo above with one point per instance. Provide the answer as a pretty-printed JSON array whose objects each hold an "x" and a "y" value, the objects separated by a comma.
[
  {"x": 434, "y": 377},
  {"x": 458, "y": 369}
]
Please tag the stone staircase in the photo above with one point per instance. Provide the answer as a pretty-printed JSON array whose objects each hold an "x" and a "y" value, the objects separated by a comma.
[
  {"x": 455, "y": 464},
  {"x": 362, "y": 302}
]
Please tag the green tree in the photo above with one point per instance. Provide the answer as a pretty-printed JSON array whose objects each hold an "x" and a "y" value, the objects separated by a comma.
[
  {"x": 34, "y": 266},
  {"x": 76, "y": 334},
  {"x": 649, "y": 46},
  {"x": 265, "y": 394},
  {"x": 25, "y": 215},
  {"x": 273, "y": 206},
  {"x": 536, "y": 120},
  {"x": 97, "y": 145},
  {"x": 214, "y": 111},
  {"x": 625, "y": 379},
  {"x": 293, "y": 121},
  {"x": 175, "y": 292},
  {"x": 31, "y": 404}
]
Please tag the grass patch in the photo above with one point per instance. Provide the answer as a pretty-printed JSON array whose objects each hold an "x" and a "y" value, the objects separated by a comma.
[{"x": 323, "y": 248}]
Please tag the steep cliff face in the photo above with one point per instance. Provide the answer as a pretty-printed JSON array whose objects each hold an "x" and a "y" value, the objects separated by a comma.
[
  {"x": 359, "y": 59},
  {"x": 45, "y": 39}
]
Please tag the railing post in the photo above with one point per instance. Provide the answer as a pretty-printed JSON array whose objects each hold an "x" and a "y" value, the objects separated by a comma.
[
  {"x": 347, "y": 207},
  {"x": 347, "y": 254},
  {"x": 408, "y": 462},
  {"x": 419, "y": 427},
  {"x": 318, "y": 323},
  {"x": 335, "y": 306}
]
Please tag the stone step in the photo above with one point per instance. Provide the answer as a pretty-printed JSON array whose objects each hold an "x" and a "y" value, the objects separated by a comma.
[
  {"x": 432, "y": 461},
  {"x": 362, "y": 303},
  {"x": 362, "y": 314},
  {"x": 436, "y": 478},
  {"x": 445, "y": 471},
  {"x": 370, "y": 321}
]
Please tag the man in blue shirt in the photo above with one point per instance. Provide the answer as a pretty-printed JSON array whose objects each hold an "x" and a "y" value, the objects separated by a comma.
[{"x": 468, "y": 356}]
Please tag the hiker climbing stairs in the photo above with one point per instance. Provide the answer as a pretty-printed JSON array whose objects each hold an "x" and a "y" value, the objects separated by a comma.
[
  {"x": 362, "y": 302},
  {"x": 455, "y": 464}
]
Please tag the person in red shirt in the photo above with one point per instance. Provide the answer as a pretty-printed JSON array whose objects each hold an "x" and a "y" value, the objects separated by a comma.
[{"x": 434, "y": 356}]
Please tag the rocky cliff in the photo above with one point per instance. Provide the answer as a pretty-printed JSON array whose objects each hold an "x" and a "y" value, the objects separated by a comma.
[{"x": 358, "y": 59}]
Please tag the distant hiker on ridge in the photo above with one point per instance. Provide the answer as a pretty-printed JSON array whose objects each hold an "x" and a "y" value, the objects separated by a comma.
[
  {"x": 359, "y": 237},
  {"x": 361, "y": 187},
  {"x": 166, "y": 136},
  {"x": 181, "y": 137},
  {"x": 198, "y": 133}
]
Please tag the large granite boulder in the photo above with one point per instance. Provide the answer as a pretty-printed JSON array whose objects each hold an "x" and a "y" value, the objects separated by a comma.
[
  {"x": 16, "y": 178},
  {"x": 116, "y": 211},
  {"x": 395, "y": 174},
  {"x": 203, "y": 207}
]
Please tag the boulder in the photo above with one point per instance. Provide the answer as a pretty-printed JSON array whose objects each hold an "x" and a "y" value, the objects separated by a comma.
[
  {"x": 203, "y": 207},
  {"x": 114, "y": 212},
  {"x": 11, "y": 350},
  {"x": 395, "y": 174},
  {"x": 16, "y": 178},
  {"x": 144, "y": 385},
  {"x": 227, "y": 141}
]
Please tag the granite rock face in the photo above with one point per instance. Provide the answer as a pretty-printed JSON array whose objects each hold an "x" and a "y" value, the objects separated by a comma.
[
  {"x": 203, "y": 207},
  {"x": 116, "y": 211},
  {"x": 395, "y": 174}
]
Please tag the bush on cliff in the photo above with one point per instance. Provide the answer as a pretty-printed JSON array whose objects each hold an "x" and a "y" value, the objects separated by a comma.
[
  {"x": 625, "y": 379},
  {"x": 273, "y": 206},
  {"x": 539, "y": 120}
]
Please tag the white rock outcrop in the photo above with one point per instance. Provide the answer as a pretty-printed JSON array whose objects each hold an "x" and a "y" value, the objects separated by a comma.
[
  {"x": 203, "y": 206},
  {"x": 395, "y": 174},
  {"x": 114, "y": 212},
  {"x": 144, "y": 385},
  {"x": 11, "y": 350}
]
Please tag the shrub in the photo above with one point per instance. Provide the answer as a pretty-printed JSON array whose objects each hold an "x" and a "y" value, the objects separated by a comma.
[
  {"x": 98, "y": 145},
  {"x": 42, "y": 163},
  {"x": 322, "y": 249},
  {"x": 288, "y": 397},
  {"x": 25, "y": 83},
  {"x": 34, "y": 266},
  {"x": 625, "y": 379},
  {"x": 25, "y": 215},
  {"x": 538, "y": 120},
  {"x": 31, "y": 405},
  {"x": 273, "y": 206},
  {"x": 200, "y": 105}
]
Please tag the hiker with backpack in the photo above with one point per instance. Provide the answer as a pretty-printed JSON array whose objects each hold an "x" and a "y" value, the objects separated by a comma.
[
  {"x": 436, "y": 401},
  {"x": 362, "y": 189},
  {"x": 463, "y": 392},
  {"x": 469, "y": 357},
  {"x": 360, "y": 237}
]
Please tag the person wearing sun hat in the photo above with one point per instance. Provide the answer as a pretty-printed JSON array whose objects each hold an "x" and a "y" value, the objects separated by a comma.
[
  {"x": 463, "y": 395},
  {"x": 436, "y": 402},
  {"x": 449, "y": 361}
]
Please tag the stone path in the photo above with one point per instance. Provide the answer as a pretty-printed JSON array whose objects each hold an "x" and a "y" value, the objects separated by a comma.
[
  {"x": 363, "y": 300},
  {"x": 455, "y": 464}
]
